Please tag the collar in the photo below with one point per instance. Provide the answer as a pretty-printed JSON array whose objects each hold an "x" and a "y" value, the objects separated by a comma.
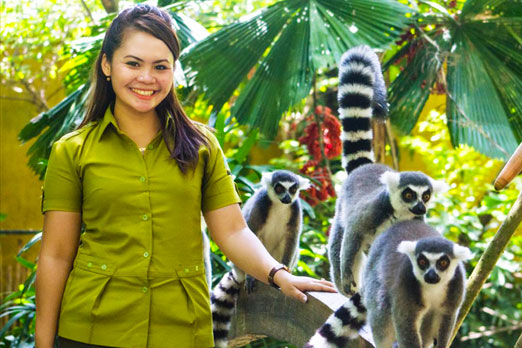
[{"x": 108, "y": 119}]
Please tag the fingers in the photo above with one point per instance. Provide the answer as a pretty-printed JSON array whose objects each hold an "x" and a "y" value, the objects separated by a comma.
[
  {"x": 322, "y": 285},
  {"x": 297, "y": 294}
]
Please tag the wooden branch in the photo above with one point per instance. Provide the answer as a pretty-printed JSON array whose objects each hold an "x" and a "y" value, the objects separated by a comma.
[
  {"x": 267, "y": 312},
  {"x": 393, "y": 146},
  {"x": 519, "y": 342},
  {"x": 489, "y": 259},
  {"x": 379, "y": 140},
  {"x": 110, "y": 6},
  {"x": 510, "y": 170}
]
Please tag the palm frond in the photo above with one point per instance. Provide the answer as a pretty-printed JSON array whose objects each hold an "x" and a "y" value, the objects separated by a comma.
[
  {"x": 284, "y": 44},
  {"x": 483, "y": 52},
  {"x": 409, "y": 91}
]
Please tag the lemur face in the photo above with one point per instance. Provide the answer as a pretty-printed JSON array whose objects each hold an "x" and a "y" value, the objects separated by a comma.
[
  {"x": 410, "y": 192},
  {"x": 414, "y": 198},
  {"x": 434, "y": 259},
  {"x": 431, "y": 266},
  {"x": 284, "y": 186},
  {"x": 286, "y": 191}
]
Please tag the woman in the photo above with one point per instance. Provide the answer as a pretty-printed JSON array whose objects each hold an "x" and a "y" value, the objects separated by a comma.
[{"x": 137, "y": 174}]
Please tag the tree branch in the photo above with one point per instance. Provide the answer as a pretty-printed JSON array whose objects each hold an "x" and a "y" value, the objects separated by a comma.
[
  {"x": 29, "y": 100},
  {"x": 89, "y": 14},
  {"x": 489, "y": 259}
]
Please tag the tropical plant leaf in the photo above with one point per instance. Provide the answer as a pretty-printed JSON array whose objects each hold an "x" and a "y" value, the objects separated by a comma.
[
  {"x": 476, "y": 114},
  {"x": 284, "y": 45},
  {"x": 410, "y": 90},
  {"x": 482, "y": 49}
]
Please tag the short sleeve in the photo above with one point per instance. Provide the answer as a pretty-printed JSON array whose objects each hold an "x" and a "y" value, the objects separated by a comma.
[
  {"x": 219, "y": 189},
  {"x": 62, "y": 188}
]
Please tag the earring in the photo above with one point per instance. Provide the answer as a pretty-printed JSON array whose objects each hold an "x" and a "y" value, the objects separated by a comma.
[{"x": 108, "y": 78}]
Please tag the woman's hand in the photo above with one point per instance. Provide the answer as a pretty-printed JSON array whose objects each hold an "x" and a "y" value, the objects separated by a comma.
[{"x": 294, "y": 286}]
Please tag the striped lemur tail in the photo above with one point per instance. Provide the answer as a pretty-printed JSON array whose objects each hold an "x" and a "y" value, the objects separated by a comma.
[
  {"x": 223, "y": 302},
  {"x": 361, "y": 95},
  {"x": 343, "y": 325}
]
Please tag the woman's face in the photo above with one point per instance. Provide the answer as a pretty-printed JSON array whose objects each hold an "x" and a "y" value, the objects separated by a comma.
[{"x": 141, "y": 71}]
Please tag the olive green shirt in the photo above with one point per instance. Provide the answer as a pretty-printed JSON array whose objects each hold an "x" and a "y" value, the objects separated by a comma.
[{"x": 138, "y": 278}]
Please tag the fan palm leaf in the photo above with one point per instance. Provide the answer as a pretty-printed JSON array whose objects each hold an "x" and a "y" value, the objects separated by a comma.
[
  {"x": 283, "y": 46},
  {"x": 482, "y": 49}
]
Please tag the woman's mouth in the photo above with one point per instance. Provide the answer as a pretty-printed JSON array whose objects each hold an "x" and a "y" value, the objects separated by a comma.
[{"x": 143, "y": 92}]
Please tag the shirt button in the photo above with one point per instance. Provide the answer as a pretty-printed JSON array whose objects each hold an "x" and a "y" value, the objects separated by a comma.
[
  {"x": 145, "y": 217},
  {"x": 145, "y": 289},
  {"x": 89, "y": 264},
  {"x": 142, "y": 178},
  {"x": 186, "y": 270},
  {"x": 145, "y": 254},
  {"x": 104, "y": 267}
]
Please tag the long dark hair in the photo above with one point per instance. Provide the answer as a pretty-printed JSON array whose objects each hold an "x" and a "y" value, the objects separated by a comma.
[{"x": 181, "y": 136}]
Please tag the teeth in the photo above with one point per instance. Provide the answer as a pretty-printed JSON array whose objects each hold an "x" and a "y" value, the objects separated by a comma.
[{"x": 142, "y": 92}]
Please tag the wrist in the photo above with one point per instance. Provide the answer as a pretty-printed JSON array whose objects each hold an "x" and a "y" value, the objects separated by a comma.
[{"x": 276, "y": 273}]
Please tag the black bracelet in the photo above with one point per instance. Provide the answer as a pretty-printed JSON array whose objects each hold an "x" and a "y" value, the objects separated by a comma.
[{"x": 272, "y": 273}]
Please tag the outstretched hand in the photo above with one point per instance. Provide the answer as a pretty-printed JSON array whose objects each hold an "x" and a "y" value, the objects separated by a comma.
[{"x": 294, "y": 286}]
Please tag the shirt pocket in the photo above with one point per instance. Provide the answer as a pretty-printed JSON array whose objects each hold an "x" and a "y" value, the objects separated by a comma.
[
  {"x": 83, "y": 292},
  {"x": 193, "y": 280}
]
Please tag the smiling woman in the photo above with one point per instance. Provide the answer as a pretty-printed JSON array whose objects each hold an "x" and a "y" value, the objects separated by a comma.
[
  {"x": 137, "y": 174},
  {"x": 141, "y": 72}
]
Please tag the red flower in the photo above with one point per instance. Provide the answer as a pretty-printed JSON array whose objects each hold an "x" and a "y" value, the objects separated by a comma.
[{"x": 330, "y": 131}]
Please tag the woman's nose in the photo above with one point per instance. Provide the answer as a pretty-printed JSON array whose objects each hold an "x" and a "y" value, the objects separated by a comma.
[{"x": 146, "y": 77}]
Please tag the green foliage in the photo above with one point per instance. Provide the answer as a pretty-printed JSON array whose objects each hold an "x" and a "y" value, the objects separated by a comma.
[
  {"x": 34, "y": 37},
  {"x": 480, "y": 44},
  {"x": 284, "y": 45},
  {"x": 19, "y": 307}
]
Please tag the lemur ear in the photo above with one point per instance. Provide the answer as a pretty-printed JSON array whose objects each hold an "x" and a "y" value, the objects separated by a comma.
[
  {"x": 266, "y": 178},
  {"x": 462, "y": 253},
  {"x": 304, "y": 183},
  {"x": 407, "y": 247},
  {"x": 390, "y": 179},
  {"x": 439, "y": 186}
]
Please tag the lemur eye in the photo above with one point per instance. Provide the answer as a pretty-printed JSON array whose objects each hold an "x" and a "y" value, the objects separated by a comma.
[
  {"x": 443, "y": 263},
  {"x": 408, "y": 195},
  {"x": 293, "y": 189},
  {"x": 422, "y": 262},
  {"x": 426, "y": 196},
  {"x": 279, "y": 189}
]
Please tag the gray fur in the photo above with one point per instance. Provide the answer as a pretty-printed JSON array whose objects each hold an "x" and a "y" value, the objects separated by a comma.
[
  {"x": 365, "y": 207},
  {"x": 276, "y": 218},
  {"x": 402, "y": 306}
]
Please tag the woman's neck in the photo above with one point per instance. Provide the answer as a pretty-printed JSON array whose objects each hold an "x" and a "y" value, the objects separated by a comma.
[{"x": 140, "y": 127}]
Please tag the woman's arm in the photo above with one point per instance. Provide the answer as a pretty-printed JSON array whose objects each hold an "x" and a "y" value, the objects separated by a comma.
[
  {"x": 231, "y": 233},
  {"x": 60, "y": 238}
]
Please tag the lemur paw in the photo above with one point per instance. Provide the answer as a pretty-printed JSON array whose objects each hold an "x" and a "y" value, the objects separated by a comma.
[{"x": 250, "y": 284}]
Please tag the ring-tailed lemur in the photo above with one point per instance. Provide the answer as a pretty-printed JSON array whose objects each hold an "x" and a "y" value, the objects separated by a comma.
[
  {"x": 413, "y": 288},
  {"x": 373, "y": 196},
  {"x": 274, "y": 214}
]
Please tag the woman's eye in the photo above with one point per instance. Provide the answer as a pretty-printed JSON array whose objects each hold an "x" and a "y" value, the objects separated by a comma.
[
  {"x": 132, "y": 64},
  {"x": 161, "y": 67}
]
